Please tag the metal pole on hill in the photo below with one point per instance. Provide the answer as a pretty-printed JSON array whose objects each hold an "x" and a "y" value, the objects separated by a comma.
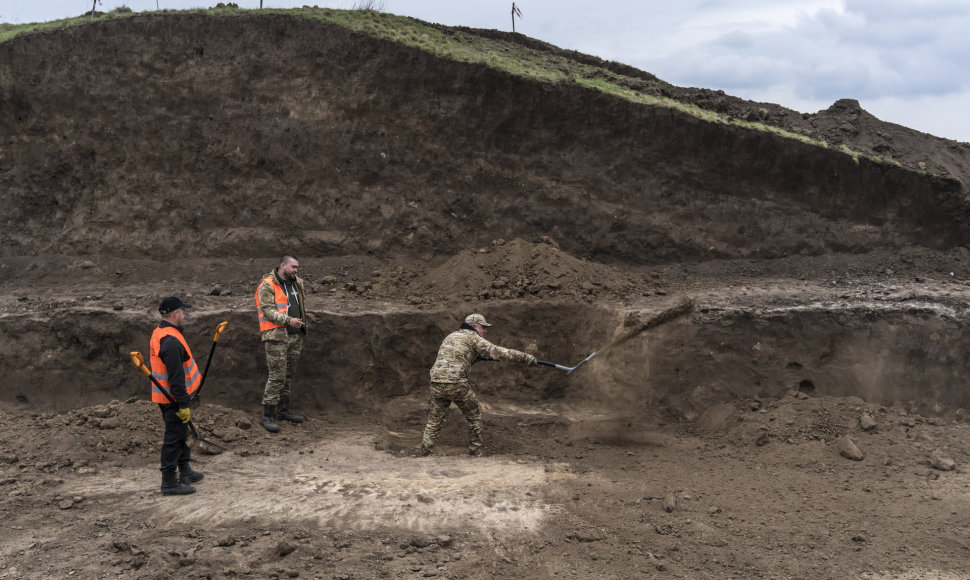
[{"x": 515, "y": 12}]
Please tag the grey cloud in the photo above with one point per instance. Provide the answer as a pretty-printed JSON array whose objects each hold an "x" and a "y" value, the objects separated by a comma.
[{"x": 871, "y": 50}]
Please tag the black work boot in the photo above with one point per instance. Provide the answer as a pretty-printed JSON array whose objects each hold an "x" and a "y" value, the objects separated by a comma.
[
  {"x": 283, "y": 412},
  {"x": 189, "y": 475},
  {"x": 269, "y": 419},
  {"x": 172, "y": 486}
]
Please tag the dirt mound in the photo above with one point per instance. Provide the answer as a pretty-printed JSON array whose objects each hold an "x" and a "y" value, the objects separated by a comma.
[
  {"x": 518, "y": 269},
  {"x": 120, "y": 433}
]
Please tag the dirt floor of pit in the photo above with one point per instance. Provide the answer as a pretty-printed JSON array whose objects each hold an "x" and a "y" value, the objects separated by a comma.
[
  {"x": 755, "y": 489},
  {"x": 574, "y": 484}
]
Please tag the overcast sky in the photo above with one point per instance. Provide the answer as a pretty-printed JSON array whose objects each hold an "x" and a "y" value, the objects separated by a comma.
[{"x": 905, "y": 61}]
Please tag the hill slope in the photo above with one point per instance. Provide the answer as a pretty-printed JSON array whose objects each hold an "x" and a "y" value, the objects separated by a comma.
[{"x": 235, "y": 134}]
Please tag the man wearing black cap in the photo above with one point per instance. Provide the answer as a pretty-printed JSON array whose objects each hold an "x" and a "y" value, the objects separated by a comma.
[{"x": 174, "y": 368}]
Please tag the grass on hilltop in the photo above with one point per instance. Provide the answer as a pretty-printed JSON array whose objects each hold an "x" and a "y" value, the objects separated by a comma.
[{"x": 512, "y": 53}]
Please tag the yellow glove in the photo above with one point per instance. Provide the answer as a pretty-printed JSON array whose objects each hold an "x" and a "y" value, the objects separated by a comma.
[
  {"x": 533, "y": 361},
  {"x": 184, "y": 414}
]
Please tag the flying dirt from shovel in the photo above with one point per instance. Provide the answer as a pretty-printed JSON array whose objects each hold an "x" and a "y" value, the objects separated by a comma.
[
  {"x": 613, "y": 403},
  {"x": 626, "y": 332},
  {"x": 622, "y": 335}
]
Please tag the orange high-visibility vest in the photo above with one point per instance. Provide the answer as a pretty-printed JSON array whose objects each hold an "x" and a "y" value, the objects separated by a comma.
[
  {"x": 282, "y": 304},
  {"x": 193, "y": 378}
]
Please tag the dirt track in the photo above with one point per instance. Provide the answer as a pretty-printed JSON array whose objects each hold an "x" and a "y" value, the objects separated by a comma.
[{"x": 830, "y": 305}]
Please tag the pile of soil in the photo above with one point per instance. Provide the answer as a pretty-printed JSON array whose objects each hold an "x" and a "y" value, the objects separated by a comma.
[{"x": 522, "y": 270}]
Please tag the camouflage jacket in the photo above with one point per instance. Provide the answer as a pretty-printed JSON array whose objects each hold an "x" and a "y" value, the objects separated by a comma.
[
  {"x": 461, "y": 349},
  {"x": 267, "y": 301}
]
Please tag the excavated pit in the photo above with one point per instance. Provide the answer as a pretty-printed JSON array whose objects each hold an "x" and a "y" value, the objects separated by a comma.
[{"x": 911, "y": 356}]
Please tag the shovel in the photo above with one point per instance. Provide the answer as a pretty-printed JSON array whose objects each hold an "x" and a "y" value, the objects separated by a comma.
[
  {"x": 565, "y": 368},
  {"x": 222, "y": 326},
  {"x": 139, "y": 361},
  {"x": 554, "y": 365}
]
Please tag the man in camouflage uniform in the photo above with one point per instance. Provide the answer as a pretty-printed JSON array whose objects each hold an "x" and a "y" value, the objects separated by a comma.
[
  {"x": 281, "y": 309},
  {"x": 449, "y": 379}
]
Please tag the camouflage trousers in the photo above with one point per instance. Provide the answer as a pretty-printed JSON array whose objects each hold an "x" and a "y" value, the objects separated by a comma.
[
  {"x": 281, "y": 359},
  {"x": 442, "y": 396}
]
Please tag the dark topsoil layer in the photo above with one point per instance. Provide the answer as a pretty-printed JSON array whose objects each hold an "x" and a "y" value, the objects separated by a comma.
[{"x": 244, "y": 136}]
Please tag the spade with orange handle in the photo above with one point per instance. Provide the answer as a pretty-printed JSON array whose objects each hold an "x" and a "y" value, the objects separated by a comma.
[
  {"x": 215, "y": 339},
  {"x": 139, "y": 361}
]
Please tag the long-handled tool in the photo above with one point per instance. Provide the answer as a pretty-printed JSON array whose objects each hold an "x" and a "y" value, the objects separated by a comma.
[
  {"x": 565, "y": 368},
  {"x": 215, "y": 339},
  {"x": 554, "y": 365},
  {"x": 683, "y": 307},
  {"x": 139, "y": 361}
]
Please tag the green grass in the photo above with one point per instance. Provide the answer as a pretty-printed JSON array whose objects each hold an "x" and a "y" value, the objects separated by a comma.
[
  {"x": 501, "y": 53},
  {"x": 9, "y": 31}
]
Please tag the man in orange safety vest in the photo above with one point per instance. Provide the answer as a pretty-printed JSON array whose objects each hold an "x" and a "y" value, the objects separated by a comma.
[
  {"x": 174, "y": 369},
  {"x": 281, "y": 309}
]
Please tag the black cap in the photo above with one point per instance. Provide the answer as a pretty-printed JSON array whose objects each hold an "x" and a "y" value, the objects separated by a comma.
[{"x": 171, "y": 304}]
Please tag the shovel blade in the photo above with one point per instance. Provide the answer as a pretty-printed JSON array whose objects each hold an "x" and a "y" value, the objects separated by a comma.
[{"x": 581, "y": 363}]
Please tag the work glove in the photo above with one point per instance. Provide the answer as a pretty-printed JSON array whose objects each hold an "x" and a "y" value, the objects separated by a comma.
[
  {"x": 184, "y": 414},
  {"x": 532, "y": 361}
]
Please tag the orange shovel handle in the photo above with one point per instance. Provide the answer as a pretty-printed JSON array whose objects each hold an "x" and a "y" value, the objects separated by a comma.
[{"x": 222, "y": 326}]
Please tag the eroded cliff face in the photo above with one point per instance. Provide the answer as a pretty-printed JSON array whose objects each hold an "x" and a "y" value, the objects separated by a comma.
[
  {"x": 234, "y": 135},
  {"x": 175, "y": 153}
]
